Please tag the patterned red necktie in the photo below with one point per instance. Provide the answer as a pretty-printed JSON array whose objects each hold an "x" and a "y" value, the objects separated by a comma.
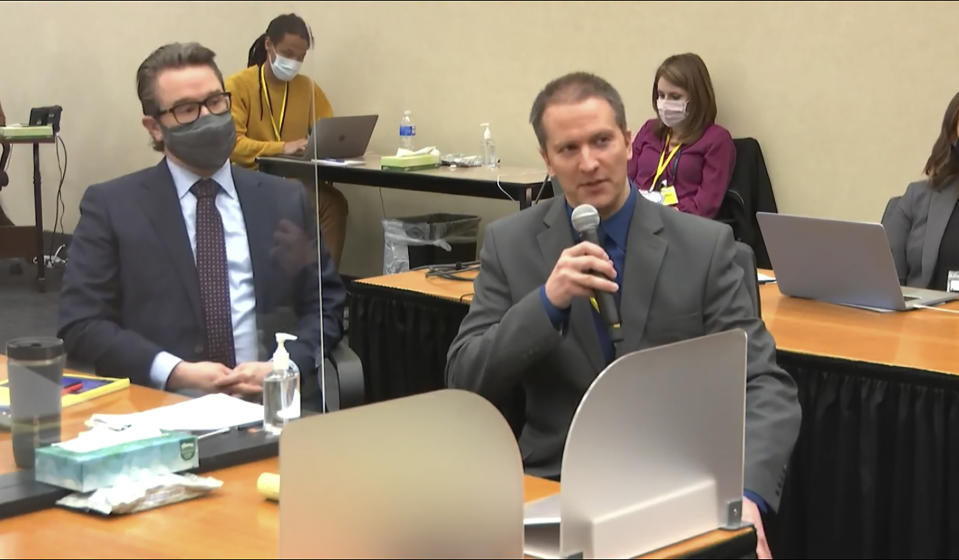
[{"x": 212, "y": 272}]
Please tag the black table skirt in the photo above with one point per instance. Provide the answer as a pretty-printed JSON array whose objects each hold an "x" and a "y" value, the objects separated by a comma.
[
  {"x": 875, "y": 472},
  {"x": 402, "y": 338}
]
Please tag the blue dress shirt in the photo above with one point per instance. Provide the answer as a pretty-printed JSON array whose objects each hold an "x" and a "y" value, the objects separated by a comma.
[
  {"x": 239, "y": 265},
  {"x": 612, "y": 232}
]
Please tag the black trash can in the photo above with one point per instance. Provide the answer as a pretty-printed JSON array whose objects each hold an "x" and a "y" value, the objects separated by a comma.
[{"x": 416, "y": 241}]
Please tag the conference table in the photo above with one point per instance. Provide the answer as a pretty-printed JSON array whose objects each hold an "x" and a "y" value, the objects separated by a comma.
[
  {"x": 872, "y": 473},
  {"x": 519, "y": 184},
  {"x": 232, "y": 521}
]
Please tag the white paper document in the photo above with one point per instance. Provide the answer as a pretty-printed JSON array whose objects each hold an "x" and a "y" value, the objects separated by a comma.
[
  {"x": 764, "y": 278},
  {"x": 206, "y": 413},
  {"x": 339, "y": 162}
]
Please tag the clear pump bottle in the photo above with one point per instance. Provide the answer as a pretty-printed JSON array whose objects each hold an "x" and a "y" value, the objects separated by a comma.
[
  {"x": 489, "y": 147},
  {"x": 281, "y": 389}
]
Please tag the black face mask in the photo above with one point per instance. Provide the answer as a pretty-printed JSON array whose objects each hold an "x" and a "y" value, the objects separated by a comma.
[{"x": 204, "y": 143}]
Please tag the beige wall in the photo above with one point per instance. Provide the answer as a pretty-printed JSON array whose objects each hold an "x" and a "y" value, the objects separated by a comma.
[{"x": 845, "y": 98}]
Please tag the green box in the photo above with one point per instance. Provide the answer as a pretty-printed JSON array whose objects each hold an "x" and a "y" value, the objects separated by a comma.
[
  {"x": 44, "y": 132},
  {"x": 83, "y": 472},
  {"x": 410, "y": 163}
]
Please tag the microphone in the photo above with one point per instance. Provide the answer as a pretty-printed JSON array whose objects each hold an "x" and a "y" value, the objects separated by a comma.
[{"x": 585, "y": 221}]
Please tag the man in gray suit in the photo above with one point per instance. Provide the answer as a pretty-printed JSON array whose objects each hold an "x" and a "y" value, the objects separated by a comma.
[{"x": 530, "y": 326}]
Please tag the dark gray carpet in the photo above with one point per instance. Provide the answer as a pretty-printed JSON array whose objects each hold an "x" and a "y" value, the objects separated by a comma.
[{"x": 23, "y": 310}]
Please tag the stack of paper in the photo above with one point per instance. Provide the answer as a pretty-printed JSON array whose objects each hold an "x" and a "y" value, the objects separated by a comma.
[{"x": 203, "y": 414}]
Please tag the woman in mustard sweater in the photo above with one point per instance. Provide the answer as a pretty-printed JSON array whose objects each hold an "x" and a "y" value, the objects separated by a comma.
[{"x": 274, "y": 108}]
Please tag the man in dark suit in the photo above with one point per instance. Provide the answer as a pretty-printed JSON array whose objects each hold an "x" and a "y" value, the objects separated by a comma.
[
  {"x": 178, "y": 274},
  {"x": 530, "y": 324}
]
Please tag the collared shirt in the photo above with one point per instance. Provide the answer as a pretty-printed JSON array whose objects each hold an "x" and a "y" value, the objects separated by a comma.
[
  {"x": 239, "y": 265},
  {"x": 613, "y": 233}
]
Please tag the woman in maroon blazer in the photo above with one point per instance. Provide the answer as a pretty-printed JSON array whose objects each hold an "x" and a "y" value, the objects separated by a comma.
[{"x": 683, "y": 158}]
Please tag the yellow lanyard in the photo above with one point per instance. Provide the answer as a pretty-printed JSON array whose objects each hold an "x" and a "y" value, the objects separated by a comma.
[
  {"x": 269, "y": 104},
  {"x": 664, "y": 164}
]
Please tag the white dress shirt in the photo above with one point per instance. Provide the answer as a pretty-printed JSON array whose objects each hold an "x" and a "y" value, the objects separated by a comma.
[{"x": 239, "y": 265}]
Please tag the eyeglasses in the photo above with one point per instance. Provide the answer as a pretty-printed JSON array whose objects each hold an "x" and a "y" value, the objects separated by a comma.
[{"x": 186, "y": 112}]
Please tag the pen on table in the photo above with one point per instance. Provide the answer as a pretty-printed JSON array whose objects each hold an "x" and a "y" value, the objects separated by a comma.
[
  {"x": 72, "y": 388},
  {"x": 214, "y": 432}
]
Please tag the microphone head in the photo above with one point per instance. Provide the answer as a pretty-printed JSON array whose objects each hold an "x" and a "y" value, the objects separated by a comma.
[{"x": 585, "y": 217}]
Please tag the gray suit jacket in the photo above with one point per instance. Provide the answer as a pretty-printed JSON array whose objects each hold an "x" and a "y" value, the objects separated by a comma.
[
  {"x": 680, "y": 281},
  {"x": 915, "y": 225}
]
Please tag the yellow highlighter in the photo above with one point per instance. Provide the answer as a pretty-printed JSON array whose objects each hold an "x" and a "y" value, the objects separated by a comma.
[
  {"x": 594, "y": 303},
  {"x": 268, "y": 484}
]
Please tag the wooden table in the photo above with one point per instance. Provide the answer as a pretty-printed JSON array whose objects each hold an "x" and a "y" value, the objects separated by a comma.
[
  {"x": 234, "y": 521},
  {"x": 923, "y": 339},
  {"x": 522, "y": 185}
]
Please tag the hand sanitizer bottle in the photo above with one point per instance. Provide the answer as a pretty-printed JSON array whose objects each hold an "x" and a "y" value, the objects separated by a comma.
[
  {"x": 281, "y": 389},
  {"x": 489, "y": 147}
]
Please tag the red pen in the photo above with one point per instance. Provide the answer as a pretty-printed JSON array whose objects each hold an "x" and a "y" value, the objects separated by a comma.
[{"x": 72, "y": 388}]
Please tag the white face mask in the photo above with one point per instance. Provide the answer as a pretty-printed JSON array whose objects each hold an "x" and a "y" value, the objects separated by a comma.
[
  {"x": 671, "y": 111},
  {"x": 285, "y": 69}
]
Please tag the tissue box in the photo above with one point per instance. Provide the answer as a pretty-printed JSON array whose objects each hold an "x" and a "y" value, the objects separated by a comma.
[
  {"x": 101, "y": 468},
  {"x": 410, "y": 163}
]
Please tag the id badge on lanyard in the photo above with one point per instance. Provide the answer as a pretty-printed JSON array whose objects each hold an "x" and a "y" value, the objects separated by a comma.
[{"x": 667, "y": 192}]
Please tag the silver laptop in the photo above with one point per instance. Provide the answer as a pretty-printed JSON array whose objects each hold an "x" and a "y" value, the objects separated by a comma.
[
  {"x": 340, "y": 137},
  {"x": 842, "y": 262}
]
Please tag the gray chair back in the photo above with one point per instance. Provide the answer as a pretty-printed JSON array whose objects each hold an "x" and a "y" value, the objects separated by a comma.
[{"x": 746, "y": 260}]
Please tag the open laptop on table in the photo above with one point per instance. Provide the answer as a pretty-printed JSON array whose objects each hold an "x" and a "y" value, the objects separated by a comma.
[
  {"x": 339, "y": 137},
  {"x": 837, "y": 261}
]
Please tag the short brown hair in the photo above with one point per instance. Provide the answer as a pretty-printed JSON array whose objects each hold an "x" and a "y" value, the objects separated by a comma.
[
  {"x": 942, "y": 166},
  {"x": 689, "y": 72},
  {"x": 573, "y": 88},
  {"x": 173, "y": 55}
]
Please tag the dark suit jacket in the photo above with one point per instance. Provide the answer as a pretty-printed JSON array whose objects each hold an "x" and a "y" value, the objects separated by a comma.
[
  {"x": 914, "y": 226},
  {"x": 131, "y": 289},
  {"x": 750, "y": 181},
  {"x": 679, "y": 282}
]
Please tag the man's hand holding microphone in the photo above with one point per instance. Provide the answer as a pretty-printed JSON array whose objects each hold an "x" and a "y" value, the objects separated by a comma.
[{"x": 585, "y": 270}]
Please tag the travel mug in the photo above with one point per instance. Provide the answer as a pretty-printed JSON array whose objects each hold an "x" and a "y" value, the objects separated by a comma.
[{"x": 35, "y": 375}]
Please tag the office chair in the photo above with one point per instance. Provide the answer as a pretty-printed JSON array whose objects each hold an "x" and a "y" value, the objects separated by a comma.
[
  {"x": 753, "y": 193},
  {"x": 345, "y": 386},
  {"x": 732, "y": 212}
]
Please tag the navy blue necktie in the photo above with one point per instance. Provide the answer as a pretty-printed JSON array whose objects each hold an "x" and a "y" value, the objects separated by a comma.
[
  {"x": 606, "y": 345},
  {"x": 213, "y": 276}
]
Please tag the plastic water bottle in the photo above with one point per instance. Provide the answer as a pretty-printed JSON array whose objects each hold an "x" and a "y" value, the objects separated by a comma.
[
  {"x": 407, "y": 130},
  {"x": 489, "y": 147}
]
